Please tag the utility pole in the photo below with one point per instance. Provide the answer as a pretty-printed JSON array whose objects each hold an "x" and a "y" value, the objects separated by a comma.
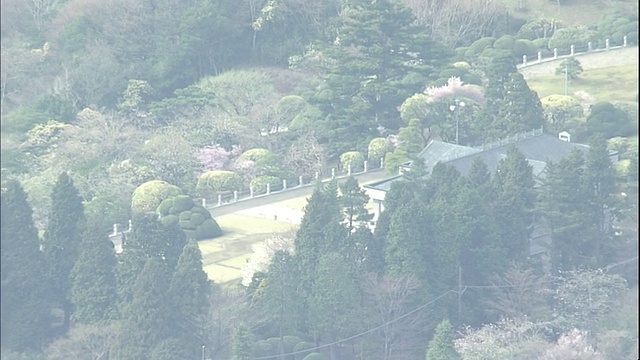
[
  {"x": 460, "y": 291},
  {"x": 566, "y": 77}
]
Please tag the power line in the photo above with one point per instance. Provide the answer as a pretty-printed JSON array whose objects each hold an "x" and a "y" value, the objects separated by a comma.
[
  {"x": 422, "y": 307},
  {"x": 359, "y": 334}
]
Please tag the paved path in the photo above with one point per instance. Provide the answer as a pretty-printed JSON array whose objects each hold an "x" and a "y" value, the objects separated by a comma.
[
  {"x": 371, "y": 176},
  {"x": 595, "y": 60}
]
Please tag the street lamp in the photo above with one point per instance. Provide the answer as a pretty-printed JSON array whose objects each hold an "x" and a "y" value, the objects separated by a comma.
[{"x": 459, "y": 104}]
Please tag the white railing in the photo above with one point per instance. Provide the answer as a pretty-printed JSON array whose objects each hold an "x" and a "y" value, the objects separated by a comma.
[{"x": 573, "y": 50}]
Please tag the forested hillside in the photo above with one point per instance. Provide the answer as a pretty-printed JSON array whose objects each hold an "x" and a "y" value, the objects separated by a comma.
[{"x": 116, "y": 111}]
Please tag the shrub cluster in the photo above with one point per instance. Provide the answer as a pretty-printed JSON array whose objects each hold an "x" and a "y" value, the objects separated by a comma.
[{"x": 193, "y": 219}]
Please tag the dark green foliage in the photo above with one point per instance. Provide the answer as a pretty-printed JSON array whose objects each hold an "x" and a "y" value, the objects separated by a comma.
[
  {"x": 279, "y": 298},
  {"x": 375, "y": 70},
  {"x": 25, "y": 306},
  {"x": 93, "y": 282},
  {"x": 259, "y": 184},
  {"x": 334, "y": 310},
  {"x": 353, "y": 200},
  {"x": 193, "y": 219},
  {"x": 515, "y": 200},
  {"x": 22, "y": 120},
  {"x": 408, "y": 232},
  {"x": 148, "y": 316},
  {"x": 608, "y": 121},
  {"x": 63, "y": 237},
  {"x": 189, "y": 298},
  {"x": 570, "y": 67},
  {"x": 242, "y": 344},
  {"x": 441, "y": 346},
  {"x": 173, "y": 349},
  {"x": 104, "y": 212}
]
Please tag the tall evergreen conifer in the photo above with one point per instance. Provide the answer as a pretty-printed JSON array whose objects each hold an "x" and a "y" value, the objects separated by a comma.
[
  {"x": 25, "y": 306},
  {"x": 441, "y": 346},
  {"x": 62, "y": 239},
  {"x": 148, "y": 316},
  {"x": 93, "y": 281}
]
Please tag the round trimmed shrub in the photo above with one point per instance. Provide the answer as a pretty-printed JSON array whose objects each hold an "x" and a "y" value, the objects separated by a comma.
[
  {"x": 214, "y": 182},
  {"x": 185, "y": 215},
  {"x": 632, "y": 37},
  {"x": 303, "y": 345},
  {"x": 469, "y": 54},
  {"x": 198, "y": 209},
  {"x": 354, "y": 159},
  {"x": 182, "y": 203},
  {"x": 524, "y": 47},
  {"x": 575, "y": 35},
  {"x": 197, "y": 219},
  {"x": 263, "y": 348},
  {"x": 541, "y": 44},
  {"x": 169, "y": 220},
  {"x": 148, "y": 196},
  {"x": 165, "y": 207},
  {"x": 479, "y": 45},
  {"x": 535, "y": 29},
  {"x": 186, "y": 225},
  {"x": 461, "y": 50},
  {"x": 462, "y": 65},
  {"x": 255, "y": 155},
  {"x": 207, "y": 230},
  {"x": 561, "y": 107},
  {"x": 378, "y": 148},
  {"x": 505, "y": 42},
  {"x": 259, "y": 184}
]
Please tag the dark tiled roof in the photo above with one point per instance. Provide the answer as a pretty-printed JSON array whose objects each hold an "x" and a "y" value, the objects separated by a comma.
[{"x": 539, "y": 149}]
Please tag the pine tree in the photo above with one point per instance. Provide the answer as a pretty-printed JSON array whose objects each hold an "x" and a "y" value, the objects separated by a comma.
[
  {"x": 62, "y": 239},
  {"x": 25, "y": 306},
  {"x": 149, "y": 238},
  {"x": 93, "y": 282},
  {"x": 241, "y": 346},
  {"x": 441, "y": 346},
  {"x": 366, "y": 251},
  {"x": 378, "y": 59},
  {"x": 600, "y": 187},
  {"x": 353, "y": 200},
  {"x": 189, "y": 298},
  {"x": 148, "y": 316},
  {"x": 515, "y": 200},
  {"x": 562, "y": 205},
  {"x": 409, "y": 145},
  {"x": 404, "y": 250},
  {"x": 334, "y": 310}
]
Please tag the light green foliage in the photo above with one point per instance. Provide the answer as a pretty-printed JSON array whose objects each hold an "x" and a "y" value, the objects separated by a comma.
[
  {"x": 559, "y": 110},
  {"x": 148, "y": 196},
  {"x": 194, "y": 219},
  {"x": 562, "y": 39},
  {"x": 570, "y": 67},
  {"x": 171, "y": 157},
  {"x": 218, "y": 181},
  {"x": 378, "y": 148},
  {"x": 410, "y": 143},
  {"x": 259, "y": 184},
  {"x": 43, "y": 136},
  {"x": 505, "y": 42},
  {"x": 133, "y": 95},
  {"x": 353, "y": 160},
  {"x": 256, "y": 154},
  {"x": 242, "y": 344},
  {"x": 441, "y": 347},
  {"x": 524, "y": 47},
  {"x": 538, "y": 28},
  {"x": 479, "y": 45}
]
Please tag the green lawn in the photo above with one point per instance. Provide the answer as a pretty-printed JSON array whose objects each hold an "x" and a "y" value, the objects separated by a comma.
[
  {"x": 618, "y": 83},
  {"x": 224, "y": 256}
]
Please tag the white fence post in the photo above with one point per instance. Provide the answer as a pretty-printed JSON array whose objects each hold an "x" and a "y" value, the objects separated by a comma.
[
  {"x": 572, "y": 50},
  {"x": 539, "y": 56},
  {"x": 589, "y": 46},
  {"x": 284, "y": 184},
  {"x": 219, "y": 200},
  {"x": 300, "y": 180},
  {"x": 250, "y": 192},
  {"x": 333, "y": 173},
  {"x": 381, "y": 162},
  {"x": 317, "y": 175},
  {"x": 349, "y": 169},
  {"x": 268, "y": 188},
  {"x": 606, "y": 44},
  {"x": 624, "y": 41},
  {"x": 130, "y": 225},
  {"x": 524, "y": 60},
  {"x": 204, "y": 202},
  {"x": 235, "y": 195},
  {"x": 115, "y": 229},
  {"x": 555, "y": 53},
  {"x": 365, "y": 166}
]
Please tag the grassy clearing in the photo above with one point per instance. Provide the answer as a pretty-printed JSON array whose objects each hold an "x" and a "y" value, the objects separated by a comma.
[
  {"x": 224, "y": 256},
  {"x": 571, "y": 12},
  {"x": 619, "y": 83}
]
